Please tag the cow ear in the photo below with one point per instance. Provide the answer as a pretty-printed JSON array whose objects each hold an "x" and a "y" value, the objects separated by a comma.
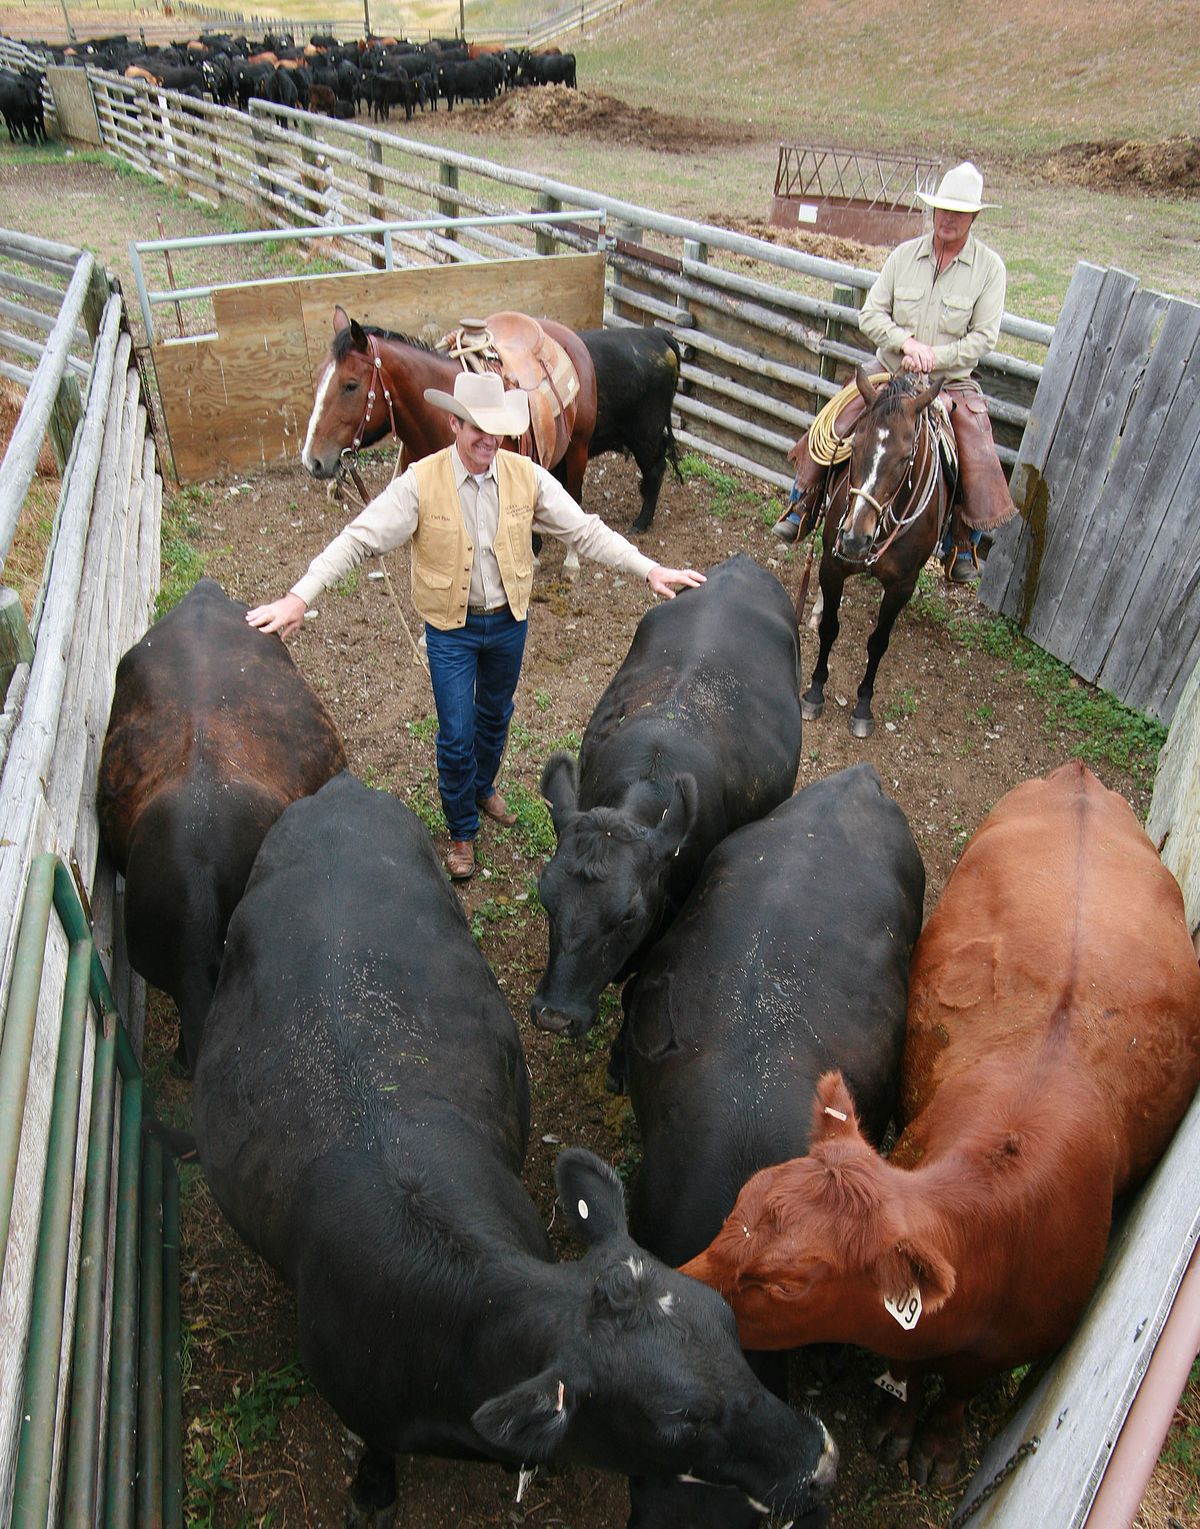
[
  {"x": 529, "y": 1421},
  {"x": 865, "y": 386},
  {"x": 834, "y": 1117},
  {"x": 560, "y": 787},
  {"x": 913, "y": 1262},
  {"x": 591, "y": 1196},
  {"x": 680, "y": 816}
]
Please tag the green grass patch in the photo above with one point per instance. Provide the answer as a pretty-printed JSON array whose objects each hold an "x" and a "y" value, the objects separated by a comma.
[
  {"x": 427, "y": 805},
  {"x": 182, "y": 560},
  {"x": 1102, "y": 728},
  {"x": 219, "y": 1441},
  {"x": 425, "y": 730}
]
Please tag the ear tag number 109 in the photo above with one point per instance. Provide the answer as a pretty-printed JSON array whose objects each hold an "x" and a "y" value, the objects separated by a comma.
[{"x": 907, "y": 1310}]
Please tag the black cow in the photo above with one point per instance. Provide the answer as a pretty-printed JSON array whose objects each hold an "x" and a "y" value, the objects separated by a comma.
[
  {"x": 212, "y": 733},
  {"x": 637, "y": 372},
  {"x": 21, "y": 105},
  {"x": 698, "y": 733},
  {"x": 362, "y": 1113},
  {"x": 789, "y": 959}
]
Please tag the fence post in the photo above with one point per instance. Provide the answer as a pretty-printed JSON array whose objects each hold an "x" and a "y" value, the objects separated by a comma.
[
  {"x": 851, "y": 297},
  {"x": 376, "y": 209},
  {"x": 546, "y": 242},
  {"x": 448, "y": 206},
  {"x": 16, "y": 645},
  {"x": 309, "y": 180},
  {"x": 261, "y": 180}
]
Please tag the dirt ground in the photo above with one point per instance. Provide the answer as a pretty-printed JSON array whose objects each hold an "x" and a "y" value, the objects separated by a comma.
[{"x": 956, "y": 731}]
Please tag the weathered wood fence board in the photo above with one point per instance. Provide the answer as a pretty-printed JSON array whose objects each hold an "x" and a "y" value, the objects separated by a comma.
[
  {"x": 1174, "y": 819},
  {"x": 1100, "y": 568},
  {"x": 243, "y": 397}
]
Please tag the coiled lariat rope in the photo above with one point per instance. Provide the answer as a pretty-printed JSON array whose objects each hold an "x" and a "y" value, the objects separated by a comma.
[{"x": 826, "y": 447}]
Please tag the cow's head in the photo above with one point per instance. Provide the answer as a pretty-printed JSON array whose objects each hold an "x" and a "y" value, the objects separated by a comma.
[
  {"x": 604, "y": 890},
  {"x": 813, "y": 1249},
  {"x": 648, "y": 1377}
]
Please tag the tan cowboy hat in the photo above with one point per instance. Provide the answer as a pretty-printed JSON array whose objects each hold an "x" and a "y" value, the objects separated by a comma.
[
  {"x": 482, "y": 399},
  {"x": 961, "y": 190}
]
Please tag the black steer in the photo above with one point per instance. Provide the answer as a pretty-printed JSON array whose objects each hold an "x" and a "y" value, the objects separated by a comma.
[
  {"x": 698, "y": 733},
  {"x": 790, "y": 958},
  {"x": 212, "y": 733},
  {"x": 637, "y": 372},
  {"x": 362, "y": 1112}
]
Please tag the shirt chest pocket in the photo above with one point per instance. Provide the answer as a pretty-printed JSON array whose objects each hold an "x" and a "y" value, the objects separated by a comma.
[
  {"x": 906, "y": 306},
  {"x": 518, "y": 527},
  {"x": 956, "y": 317}
]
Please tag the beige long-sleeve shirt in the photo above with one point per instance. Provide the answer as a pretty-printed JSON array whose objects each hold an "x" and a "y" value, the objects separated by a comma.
[
  {"x": 958, "y": 311},
  {"x": 391, "y": 519}
]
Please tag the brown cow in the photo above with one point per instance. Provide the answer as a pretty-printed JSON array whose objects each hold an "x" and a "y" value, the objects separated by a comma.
[
  {"x": 137, "y": 72},
  {"x": 1053, "y": 1045},
  {"x": 212, "y": 733}
]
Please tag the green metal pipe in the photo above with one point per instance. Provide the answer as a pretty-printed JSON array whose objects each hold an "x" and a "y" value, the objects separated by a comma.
[
  {"x": 122, "y": 1389},
  {"x": 32, "y": 1483},
  {"x": 83, "y": 1441},
  {"x": 172, "y": 1372},
  {"x": 150, "y": 1343},
  {"x": 16, "y": 1044}
]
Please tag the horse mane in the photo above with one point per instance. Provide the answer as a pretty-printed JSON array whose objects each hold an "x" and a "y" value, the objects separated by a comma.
[
  {"x": 343, "y": 340},
  {"x": 892, "y": 393}
]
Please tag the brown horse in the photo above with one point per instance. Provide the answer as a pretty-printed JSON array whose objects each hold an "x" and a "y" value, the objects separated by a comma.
[
  {"x": 373, "y": 382},
  {"x": 883, "y": 513}
]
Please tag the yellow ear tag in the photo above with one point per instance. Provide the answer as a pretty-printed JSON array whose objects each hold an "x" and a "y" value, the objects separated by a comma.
[{"x": 907, "y": 1310}]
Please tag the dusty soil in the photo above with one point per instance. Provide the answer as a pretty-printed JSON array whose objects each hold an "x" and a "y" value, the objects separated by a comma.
[
  {"x": 956, "y": 731},
  {"x": 1169, "y": 167}
]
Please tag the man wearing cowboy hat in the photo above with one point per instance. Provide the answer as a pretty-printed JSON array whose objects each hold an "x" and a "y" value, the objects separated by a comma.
[
  {"x": 935, "y": 309},
  {"x": 470, "y": 512}
]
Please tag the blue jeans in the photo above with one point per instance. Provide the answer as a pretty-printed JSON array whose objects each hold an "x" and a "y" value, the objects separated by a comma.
[{"x": 474, "y": 670}]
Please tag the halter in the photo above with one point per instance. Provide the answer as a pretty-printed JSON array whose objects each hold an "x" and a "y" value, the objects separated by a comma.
[
  {"x": 888, "y": 521},
  {"x": 377, "y": 366}
]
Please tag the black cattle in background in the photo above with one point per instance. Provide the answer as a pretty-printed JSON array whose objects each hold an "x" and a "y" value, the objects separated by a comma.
[
  {"x": 362, "y": 1112},
  {"x": 637, "y": 373},
  {"x": 697, "y": 733},
  {"x": 789, "y": 959},
  {"x": 21, "y": 105},
  {"x": 212, "y": 733}
]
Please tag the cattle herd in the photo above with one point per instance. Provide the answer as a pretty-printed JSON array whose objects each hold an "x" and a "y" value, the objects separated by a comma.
[
  {"x": 361, "y": 1103},
  {"x": 322, "y": 75}
]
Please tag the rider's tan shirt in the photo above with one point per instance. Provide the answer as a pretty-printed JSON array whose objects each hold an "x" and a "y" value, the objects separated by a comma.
[
  {"x": 394, "y": 517},
  {"x": 958, "y": 311}
]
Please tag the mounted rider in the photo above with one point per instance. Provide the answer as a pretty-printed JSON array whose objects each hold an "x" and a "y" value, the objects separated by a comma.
[{"x": 935, "y": 309}]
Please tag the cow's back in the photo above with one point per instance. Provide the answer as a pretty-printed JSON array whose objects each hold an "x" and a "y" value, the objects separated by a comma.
[
  {"x": 711, "y": 685},
  {"x": 203, "y": 689},
  {"x": 354, "y": 1012},
  {"x": 1061, "y": 937},
  {"x": 789, "y": 959}
]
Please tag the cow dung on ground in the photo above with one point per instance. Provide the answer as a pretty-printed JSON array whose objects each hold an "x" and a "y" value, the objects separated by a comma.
[{"x": 957, "y": 729}]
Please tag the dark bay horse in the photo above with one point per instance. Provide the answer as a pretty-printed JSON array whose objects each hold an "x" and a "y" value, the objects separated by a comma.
[
  {"x": 883, "y": 512},
  {"x": 372, "y": 383}
]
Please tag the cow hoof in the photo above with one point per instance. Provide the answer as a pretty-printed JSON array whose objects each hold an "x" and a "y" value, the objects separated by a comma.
[
  {"x": 862, "y": 727},
  {"x": 811, "y": 710}
]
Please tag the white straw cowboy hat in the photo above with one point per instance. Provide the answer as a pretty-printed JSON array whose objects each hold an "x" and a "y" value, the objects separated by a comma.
[
  {"x": 961, "y": 190},
  {"x": 482, "y": 399}
]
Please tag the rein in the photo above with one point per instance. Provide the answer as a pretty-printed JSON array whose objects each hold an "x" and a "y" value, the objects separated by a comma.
[{"x": 890, "y": 524}]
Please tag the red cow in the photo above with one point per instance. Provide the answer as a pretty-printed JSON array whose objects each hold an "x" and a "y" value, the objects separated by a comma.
[{"x": 1053, "y": 1046}]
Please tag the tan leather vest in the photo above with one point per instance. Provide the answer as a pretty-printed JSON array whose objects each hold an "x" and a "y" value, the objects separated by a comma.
[{"x": 442, "y": 552}]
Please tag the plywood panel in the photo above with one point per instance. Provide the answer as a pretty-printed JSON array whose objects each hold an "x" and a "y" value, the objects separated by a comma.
[
  {"x": 73, "y": 104},
  {"x": 243, "y": 398},
  {"x": 425, "y": 303}
]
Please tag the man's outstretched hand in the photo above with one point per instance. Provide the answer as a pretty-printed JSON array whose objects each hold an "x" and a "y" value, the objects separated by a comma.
[
  {"x": 665, "y": 581},
  {"x": 284, "y": 616}
]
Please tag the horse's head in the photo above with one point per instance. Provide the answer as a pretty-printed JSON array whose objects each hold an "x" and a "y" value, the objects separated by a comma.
[
  {"x": 350, "y": 409},
  {"x": 882, "y": 457}
]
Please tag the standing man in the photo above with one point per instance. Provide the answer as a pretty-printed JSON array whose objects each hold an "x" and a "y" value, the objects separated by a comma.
[
  {"x": 935, "y": 309},
  {"x": 470, "y": 512}
]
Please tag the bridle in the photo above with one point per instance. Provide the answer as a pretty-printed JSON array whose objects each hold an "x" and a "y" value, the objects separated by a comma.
[
  {"x": 378, "y": 379},
  {"x": 888, "y": 523}
]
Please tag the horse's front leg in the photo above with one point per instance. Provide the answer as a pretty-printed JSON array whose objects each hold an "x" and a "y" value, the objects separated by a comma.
[
  {"x": 812, "y": 703},
  {"x": 895, "y": 598}
]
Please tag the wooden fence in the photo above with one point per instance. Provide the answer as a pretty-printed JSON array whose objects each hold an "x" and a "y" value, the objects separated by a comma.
[
  {"x": 96, "y": 596},
  {"x": 769, "y": 332},
  {"x": 1103, "y": 567}
]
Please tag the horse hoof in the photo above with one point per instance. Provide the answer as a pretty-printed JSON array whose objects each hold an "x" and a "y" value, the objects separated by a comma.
[
  {"x": 811, "y": 710},
  {"x": 862, "y": 727}
]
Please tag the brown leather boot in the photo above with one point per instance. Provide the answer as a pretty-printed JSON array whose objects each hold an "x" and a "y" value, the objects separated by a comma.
[
  {"x": 460, "y": 859},
  {"x": 496, "y": 808}
]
